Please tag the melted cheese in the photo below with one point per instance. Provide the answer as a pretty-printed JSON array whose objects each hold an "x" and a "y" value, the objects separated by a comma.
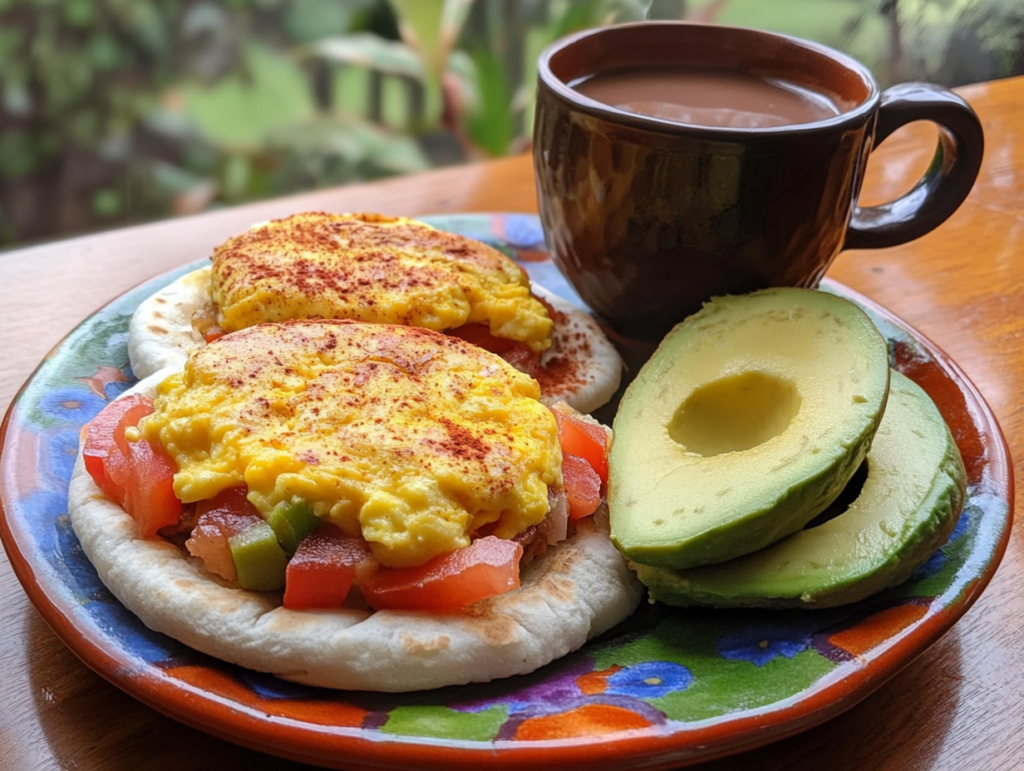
[{"x": 410, "y": 438}]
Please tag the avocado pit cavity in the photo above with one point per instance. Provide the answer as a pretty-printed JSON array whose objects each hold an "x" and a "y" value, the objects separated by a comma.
[{"x": 735, "y": 413}]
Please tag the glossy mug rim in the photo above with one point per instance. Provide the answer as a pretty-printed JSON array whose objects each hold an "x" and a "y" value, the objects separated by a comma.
[{"x": 578, "y": 101}]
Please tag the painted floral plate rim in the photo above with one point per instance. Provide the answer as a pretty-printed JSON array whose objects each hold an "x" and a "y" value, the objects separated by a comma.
[{"x": 666, "y": 688}]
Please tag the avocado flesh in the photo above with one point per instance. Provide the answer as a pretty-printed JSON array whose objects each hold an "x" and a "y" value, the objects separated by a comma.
[
  {"x": 747, "y": 421},
  {"x": 906, "y": 509}
]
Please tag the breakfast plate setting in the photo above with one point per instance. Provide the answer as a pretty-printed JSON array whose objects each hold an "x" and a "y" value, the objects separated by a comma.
[{"x": 666, "y": 688}]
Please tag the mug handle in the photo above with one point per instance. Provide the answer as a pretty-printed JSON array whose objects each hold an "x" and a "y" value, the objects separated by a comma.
[{"x": 945, "y": 184}]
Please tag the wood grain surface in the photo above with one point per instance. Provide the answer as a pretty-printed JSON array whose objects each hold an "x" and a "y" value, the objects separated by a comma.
[{"x": 959, "y": 707}]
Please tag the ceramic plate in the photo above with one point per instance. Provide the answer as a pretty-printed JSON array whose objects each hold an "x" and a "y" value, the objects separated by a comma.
[{"x": 666, "y": 688}]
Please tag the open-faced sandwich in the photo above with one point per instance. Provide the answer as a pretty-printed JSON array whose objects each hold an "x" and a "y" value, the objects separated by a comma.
[
  {"x": 378, "y": 269},
  {"x": 353, "y": 505}
]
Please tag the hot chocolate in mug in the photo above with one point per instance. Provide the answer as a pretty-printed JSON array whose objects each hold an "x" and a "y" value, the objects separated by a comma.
[{"x": 679, "y": 161}]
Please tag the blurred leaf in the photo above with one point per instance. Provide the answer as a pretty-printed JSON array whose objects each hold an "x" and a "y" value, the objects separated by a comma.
[
  {"x": 463, "y": 74},
  {"x": 353, "y": 140},
  {"x": 432, "y": 27},
  {"x": 115, "y": 147},
  {"x": 419, "y": 22},
  {"x": 78, "y": 13},
  {"x": 16, "y": 155},
  {"x": 535, "y": 40},
  {"x": 567, "y": 17},
  {"x": 208, "y": 37},
  {"x": 368, "y": 50},
  {"x": 103, "y": 52},
  {"x": 85, "y": 127},
  {"x": 205, "y": 17},
  {"x": 173, "y": 124},
  {"x": 10, "y": 46},
  {"x": 173, "y": 178},
  {"x": 620, "y": 11},
  {"x": 107, "y": 202},
  {"x": 17, "y": 98},
  {"x": 148, "y": 27},
  {"x": 491, "y": 126},
  {"x": 238, "y": 113},
  {"x": 395, "y": 107},
  {"x": 309, "y": 20},
  {"x": 563, "y": 18},
  {"x": 570, "y": 16},
  {"x": 350, "y": 90},
  {"x": 47, "y": 143},
  {"x": 236, "y": 175},
  {"x": 674, "y": 10}
]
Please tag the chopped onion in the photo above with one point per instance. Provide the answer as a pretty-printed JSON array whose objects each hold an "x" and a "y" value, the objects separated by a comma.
[{"x": 556, "y": 523}]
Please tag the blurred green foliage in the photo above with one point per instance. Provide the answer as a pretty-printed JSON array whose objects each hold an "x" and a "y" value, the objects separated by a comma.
[
  {"x": 120, "y": 111},
  {"x": 951, "y": 42}
]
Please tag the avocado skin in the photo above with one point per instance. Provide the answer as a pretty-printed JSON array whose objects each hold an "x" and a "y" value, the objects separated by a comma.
[
  {"x": 795, "y": 573},
  {"x": 724, "y": 531}
]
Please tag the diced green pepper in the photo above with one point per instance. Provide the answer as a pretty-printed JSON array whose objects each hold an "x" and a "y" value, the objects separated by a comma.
[
  {"x": 259, "y": 559},
  {"x": 292, "y": 521}
]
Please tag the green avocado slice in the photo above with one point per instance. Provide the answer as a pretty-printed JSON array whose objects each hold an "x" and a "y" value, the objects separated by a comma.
[
  {"x": 906, "y": 509},
  {"x": 745, "y": 424}
]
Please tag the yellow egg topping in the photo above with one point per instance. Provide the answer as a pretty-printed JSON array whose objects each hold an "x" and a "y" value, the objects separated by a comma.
[
  {"x": 409, "y": 438},
  {"x": 366, "y": 267}
]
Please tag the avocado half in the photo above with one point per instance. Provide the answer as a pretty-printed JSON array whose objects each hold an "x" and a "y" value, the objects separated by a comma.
[
  {"x": 747, "y": 421},
  {"x": 907, "y": 508}
]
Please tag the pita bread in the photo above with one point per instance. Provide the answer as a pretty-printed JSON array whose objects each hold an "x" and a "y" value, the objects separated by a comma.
[
  {"x": 160, "y": 333},
  {"x": 569, "y": 594},
  {"x": 581, "y": 368}
]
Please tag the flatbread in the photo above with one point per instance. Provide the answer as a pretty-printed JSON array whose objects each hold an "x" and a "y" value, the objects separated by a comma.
[
  {"x": 161, "y": 334},
  {"x": 569, "y": 594},
  {"x": 581, "y": 368}
]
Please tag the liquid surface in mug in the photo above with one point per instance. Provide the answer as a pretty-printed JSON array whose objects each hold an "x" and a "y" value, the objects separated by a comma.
[{"x": 708, "y": 97}]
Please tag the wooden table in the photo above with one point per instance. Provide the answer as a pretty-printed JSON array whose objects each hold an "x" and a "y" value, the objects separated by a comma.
[{"x": 960, "y": 706}]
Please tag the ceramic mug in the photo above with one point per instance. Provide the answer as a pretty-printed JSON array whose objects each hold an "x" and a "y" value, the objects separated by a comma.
[{"x": 648, "y": 218}]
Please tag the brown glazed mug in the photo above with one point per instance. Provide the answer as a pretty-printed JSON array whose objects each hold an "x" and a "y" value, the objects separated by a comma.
[{"x": 648, "y": 218}]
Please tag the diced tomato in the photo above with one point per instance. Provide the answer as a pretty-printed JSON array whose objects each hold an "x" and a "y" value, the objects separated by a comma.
[
  {"x": 233, "y": 500},
  {"x": 227, "y": 513},
  {"x": 130, "y": 419},
  {"x": 516, "y": 353},
  {"x": 137, "y": 475},
  {"x": 150, "y": 497},
  {"x": 321, "y": 572},
  {"x": 487, "y": 567},
  {"x": 119, "y": 472},
  {"x": 213, "y": 333},
  {"x": 584, "y": 440},
  {"x": 582, "y": 486},
  {"x": 209, "y": 540},
  {"x": 99, "y": 440}
]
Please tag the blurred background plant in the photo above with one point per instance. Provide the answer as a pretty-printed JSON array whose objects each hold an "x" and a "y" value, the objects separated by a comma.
[{"x": 121, "y": 111}]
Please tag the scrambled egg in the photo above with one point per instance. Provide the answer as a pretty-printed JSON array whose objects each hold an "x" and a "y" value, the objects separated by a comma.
[
  {"x": 409, "y": 438},
  {"x": 386, "y": 270}
]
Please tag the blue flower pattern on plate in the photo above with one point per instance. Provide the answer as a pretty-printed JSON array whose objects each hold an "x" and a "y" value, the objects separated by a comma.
[
  {"x": 649, "y": 679},
  {"x": 71, "y": 404},
  {"x": 763, "y": 643}
]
